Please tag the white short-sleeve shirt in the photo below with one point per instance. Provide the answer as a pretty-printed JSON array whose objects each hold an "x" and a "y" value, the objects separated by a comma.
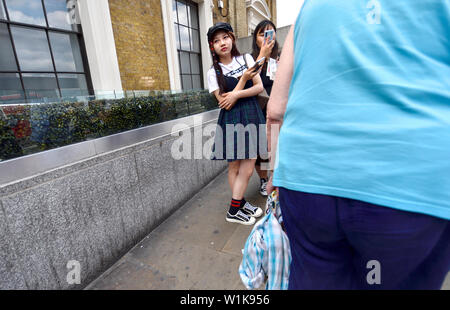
[{"x": 235, "y": 69}]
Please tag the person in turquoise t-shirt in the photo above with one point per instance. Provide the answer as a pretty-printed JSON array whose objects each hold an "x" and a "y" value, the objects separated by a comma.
[{"x": 362, "y": 95}]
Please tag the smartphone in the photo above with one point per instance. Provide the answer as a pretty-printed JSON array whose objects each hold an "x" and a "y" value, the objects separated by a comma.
[
  {"x": 269, "y": 34},
  {"x": 258, "y": 64}
]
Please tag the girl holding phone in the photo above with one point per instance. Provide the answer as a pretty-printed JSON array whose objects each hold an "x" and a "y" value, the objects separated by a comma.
[
  {"x": 265, "y": 46},
  {"x": 235, "y": 87}
]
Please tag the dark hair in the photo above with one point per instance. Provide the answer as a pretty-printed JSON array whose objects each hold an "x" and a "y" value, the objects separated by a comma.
[
  {"x": 217, "y": 68},
  {"x": 260, "y": 27}
]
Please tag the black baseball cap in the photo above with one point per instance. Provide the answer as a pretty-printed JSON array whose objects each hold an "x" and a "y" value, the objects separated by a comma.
[{"x": 217, "y": 27}]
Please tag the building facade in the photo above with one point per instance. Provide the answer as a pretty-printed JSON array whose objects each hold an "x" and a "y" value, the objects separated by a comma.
[
  {"x": 244, "y": 15},
  {"x": 69, "y": 48}
]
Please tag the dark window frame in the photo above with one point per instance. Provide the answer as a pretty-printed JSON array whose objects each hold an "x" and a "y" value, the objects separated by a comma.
[
  {"x": 190, "y": 51},
  {"x": 47, "y": 29}
]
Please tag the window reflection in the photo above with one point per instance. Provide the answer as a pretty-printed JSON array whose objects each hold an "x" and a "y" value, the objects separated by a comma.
[
  {"x": 2, "y": 11},
  {"x": 72, "y": 85},
  {"x": 42, "y": 59},
  {"x": 182, "y": 14},
  {"x": 7, "y": 59},
  {"x": 174, "y": 11},
  {"x": 185, "y": 63},
  {"x": 187, "y": 82},
  {"x": 10, "y": 87},
  {"x": 193, "y": 18},
  {"x": 59, "y": 15},
  {"x": 32, "y": 49},
  {"x": 66, "y": 52},
  {"x": 26, "y": 11},
  {"x": 177, "y": 36},
  {"x": 195, "y": 41},
  {"x": 184, "y": 38},
  {"x": 40, "y": 85},
  {"x": 196, "y": 82},
  {"x": 195, "y": 63}
]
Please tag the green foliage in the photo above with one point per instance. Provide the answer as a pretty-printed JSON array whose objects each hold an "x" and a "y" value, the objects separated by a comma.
[
  {"x": 9, "y": 147},
  {"x": 58, "y": 124}
]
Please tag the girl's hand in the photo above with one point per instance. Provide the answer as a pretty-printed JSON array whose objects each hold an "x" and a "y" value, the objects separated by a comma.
[
  {"x": 266, "y": 48},
  {"x": 228, "y": 100},
  {"x": 250, "y": 74}
]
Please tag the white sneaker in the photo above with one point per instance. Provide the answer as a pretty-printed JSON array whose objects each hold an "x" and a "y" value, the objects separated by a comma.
[
  {"x": 240, "y": 218},
  {"x": 251, "y": 210},
  {"x": 263, "y": 187}
]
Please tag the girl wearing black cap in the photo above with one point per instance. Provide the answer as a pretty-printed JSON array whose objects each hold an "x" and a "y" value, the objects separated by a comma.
[
  {"x": 264, "y": 47},
  {"x": 241, "y": 124}
]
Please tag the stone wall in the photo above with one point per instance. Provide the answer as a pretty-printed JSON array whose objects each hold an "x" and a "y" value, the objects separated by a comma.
[
  {"x": 92, "y": 211},
  {"x": 139, "y": 36}
]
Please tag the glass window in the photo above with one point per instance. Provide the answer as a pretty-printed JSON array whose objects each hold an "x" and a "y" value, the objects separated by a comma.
[
  {"x": 40, "y": 85},
  {"x": 44, "y": 57},
  {"x": 182, "y": 14},
  {"x": 185, "y": 63},
  {"x": 195, "y": 63},
  {"x": 195, "y": 41},
  {"x": 66, "y": 52},
  {"x": 187, "y": 82},
  {"x": 32, "y": 49},
  {"x": 188, "y": 43},
  {"x": 73, "y": 85},
  {"x": 196, "y": 82},
  {"x": 10, "y": 87},
  {"x": 174, "y": 11},
  {"x": 2, "y": 11},
  {"x": 61, "y": 14},
  {"x": 193, "y": 18},
  {"x": 7, "y": 59},
  {"x": 26, "y": 11},
  {"x": 184, "y": 38},
  {"x": 177, "y": 36}
]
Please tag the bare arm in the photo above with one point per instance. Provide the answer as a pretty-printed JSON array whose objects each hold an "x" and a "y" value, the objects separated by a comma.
[
  {"x": 256, "y": 89},
  {"x": 228, "y": 100},
  {"x": 276, "y": 106},
  {"x": 280, "y": 90},
  {"x": 217, "y": 94}
]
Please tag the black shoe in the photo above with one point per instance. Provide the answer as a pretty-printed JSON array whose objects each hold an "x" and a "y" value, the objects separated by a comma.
[
  {"x": 251, "y": 210},
  {"x": 262, "y": 187},
  {"x": 240, "y": 218}
]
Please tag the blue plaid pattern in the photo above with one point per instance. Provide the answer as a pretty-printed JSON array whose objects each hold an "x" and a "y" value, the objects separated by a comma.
[{"x": 266, "y": 254}]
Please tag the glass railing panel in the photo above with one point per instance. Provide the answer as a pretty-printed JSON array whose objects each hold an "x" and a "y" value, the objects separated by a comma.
[{"x": 42, "y": 123}]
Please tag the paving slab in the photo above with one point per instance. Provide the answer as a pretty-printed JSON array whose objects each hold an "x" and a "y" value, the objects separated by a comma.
[
  {"x": 131, "y": 275},
  {"x": 194, "y": 249}
]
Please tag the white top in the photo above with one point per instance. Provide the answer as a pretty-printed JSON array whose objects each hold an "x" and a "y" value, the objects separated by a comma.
[{"x": 235, "y": 69}]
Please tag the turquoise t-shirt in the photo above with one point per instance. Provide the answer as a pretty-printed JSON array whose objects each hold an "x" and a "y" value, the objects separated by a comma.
[{"x": 368, "y": 115}]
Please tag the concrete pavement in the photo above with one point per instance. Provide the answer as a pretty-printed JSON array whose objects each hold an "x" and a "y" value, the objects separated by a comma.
[{"x": 195, "y": 248}]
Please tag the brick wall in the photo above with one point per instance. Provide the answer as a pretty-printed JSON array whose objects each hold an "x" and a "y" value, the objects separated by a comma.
[
  {"x": 235, "y": 14},
  {"x": 241, "y": 19},
  {"x": 139, "y": 37}
]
